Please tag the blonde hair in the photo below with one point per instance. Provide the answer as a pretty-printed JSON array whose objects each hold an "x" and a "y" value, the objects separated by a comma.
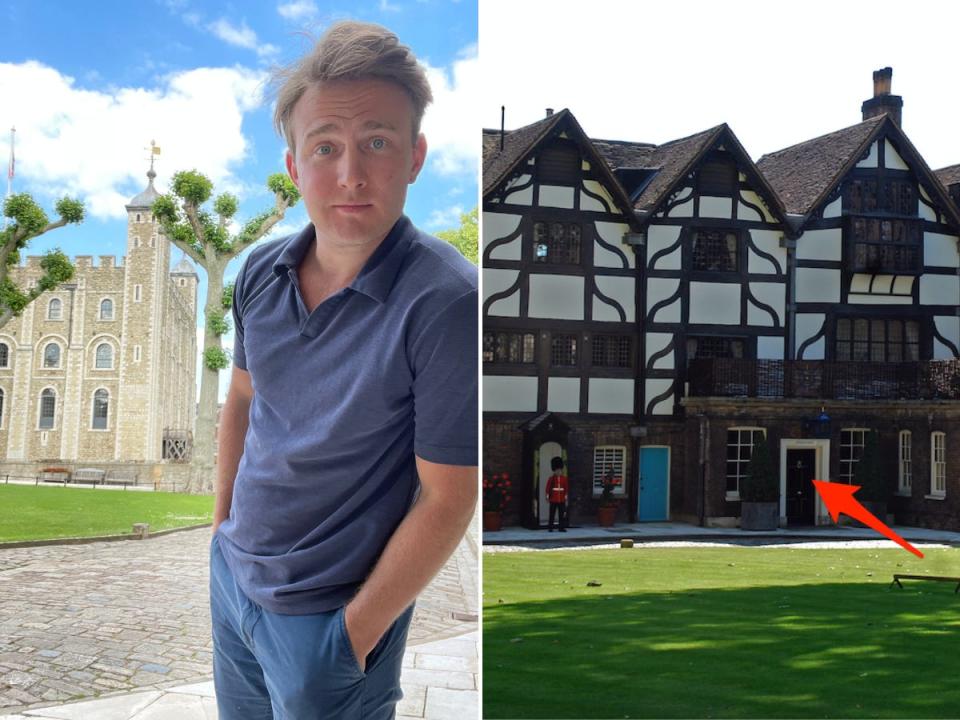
[{"x": 351, "y": 50}]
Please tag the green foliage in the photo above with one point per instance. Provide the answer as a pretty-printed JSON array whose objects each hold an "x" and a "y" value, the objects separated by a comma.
[
  {"x": 464, "y": 238},
  {"x": 760, "y": 483},
  {"x": 217, "y": 324},
  {"x": 226, "y": 205},
  {"x": 165, "y": 210},
  {"x": 869, "y": 474},
  {"x": 281, "y": 184},
  {"x": 57, "y": 269},
  {"x": 70, "y": 210},
  {"x": 227, "y": 298},
  {"x": 28, "y": 216},
  {"x": 215, "y": 358},
  {"x": 12, "y": 297},
  {"x": 250, "y": 228},
  {"x": 192, "y": 186}
]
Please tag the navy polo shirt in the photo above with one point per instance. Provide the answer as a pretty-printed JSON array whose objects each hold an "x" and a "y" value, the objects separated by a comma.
[{"x": 344, "y": 398}]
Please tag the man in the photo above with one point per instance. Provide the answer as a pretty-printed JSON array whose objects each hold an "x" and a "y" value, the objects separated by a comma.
[
  {"x": 354, "y": 377},
  {"x": 557, "y": 488}
]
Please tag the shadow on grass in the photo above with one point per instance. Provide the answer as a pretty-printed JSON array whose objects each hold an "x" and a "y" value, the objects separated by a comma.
[{"x": 803, "y": 651}]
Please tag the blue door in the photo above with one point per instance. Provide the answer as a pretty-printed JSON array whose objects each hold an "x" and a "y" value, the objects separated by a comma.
[{"x": 654, "y": 469}]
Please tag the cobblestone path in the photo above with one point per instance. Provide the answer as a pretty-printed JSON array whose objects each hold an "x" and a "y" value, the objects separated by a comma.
[{"x": 81, "y": 620}]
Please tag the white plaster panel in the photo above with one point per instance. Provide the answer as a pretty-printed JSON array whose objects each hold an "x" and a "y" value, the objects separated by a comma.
[
  {"x": 939, "y": 290},
  {"x": 589, "y": 203},
  {"x": 556, "y": 296},
  {"x": 860, "y": 283},
  {"x": 879, "y": 299},
  {"x": 499, "y": 225},
  {"x": 509, "y": 394},
  {"x": 903, "y": 285},
  {"x": 715, "y": 303},
  {"x": 619, "y": 289},
  {"x": 808, "y": 325},
  {"x": 655, "y": 343},
  {"x": 941, "y": 351},
  {"x": 834, "y": 209},
  {"x": 612, "y": 234},
  {"x": 659, "y": 289},
  {"x": 660, "y": 237},
  {"x": 754, "y": 199},
  {"x": 940, "y": 250},
  {"x": 767, "y": 241},
  {"x": 654, "y": 388},
  {"x": 556, "y": 196},
  {"x": 523, "y": 196},
  {"x": 685, "y": 208},
  {"x": 610, "y": 395},
  {"x": 770, "y": 348},
  {"x": 871, "y": 160},
  {"x": 949, "y": 327},
  {"x": 605, "y": 258},
  {"x": 891, "y": 158},
  {"x": 820, "y": 245},
  {"x": 818, "y": 285},
  {"x": 563, "y": 394},
  {"x": 882, "y": 284},
  {"x": 925, "y": 211},
  {"x": 716, "y": 207},
  {"x": 508, "y": 251},
  {"x": 495, "y": 281},
  {"x": 772, "y": 294},
  {"x": 585, "y": 165},
  {"x": 745, "y": 212}
]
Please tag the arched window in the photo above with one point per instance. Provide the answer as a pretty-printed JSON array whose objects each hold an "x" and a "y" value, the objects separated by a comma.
[
  {"x": 51, "y": 355},
  {"x": 106, "y": 309},
  {"x": 104, "y": 357},
  {"x": 55, "y": 309},
  {"x": 4, "y": 355},
  {"x": 101, "y": 409},
  {"x": 48, "y": 409}
]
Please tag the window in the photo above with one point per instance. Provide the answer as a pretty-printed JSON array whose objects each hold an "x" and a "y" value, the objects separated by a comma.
[
  {"x": 885, "y": 244},
  {"x": 715, "y": 251},
  {"x": 101, "y": 409},
  {"x": 877, "y": 340},
  {"x": 559, "y": 162},
  {"x": 137, "y": 292},
  {"x": 607, "y": 458},
  {"x": 4, "y": 355},
  {"x": 905, "y": 464},
  {"x": 104, "y": 357},
  {"x": 55, "y": 309},
  {"x": 865, "y": 195},
  {"x": 563, "y": 350},
  {"x": 51, "y": 355},
  {"x": 740, "y": 442},
  {"x": 851, "y": 448},
  {"x": 556, "y": 242},
  {"x": 611, "y": 351},
  {"x": 48, "y": 409},
  {"x": 1, "y": 407},
  {"x": 138, "y": 217},
  {"x": 136, "y": 353},
  {"x": 710, "y": 346},
  {"x": 718, "y": 177},
  {"x": 509, "y": 347},
  {"x": 106, "y": 309},
  {"x": 938, "y": 464}
]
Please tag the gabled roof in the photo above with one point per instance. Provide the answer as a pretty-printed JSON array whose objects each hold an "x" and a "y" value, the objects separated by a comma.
[
  {"x": 949, "y": 175},
  {"x": 519, "y": 145}
]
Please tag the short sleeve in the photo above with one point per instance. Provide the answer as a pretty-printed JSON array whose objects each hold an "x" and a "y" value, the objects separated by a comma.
[
  {"x": 239, "y": 354},
  {"x": 445, "y": 386}
]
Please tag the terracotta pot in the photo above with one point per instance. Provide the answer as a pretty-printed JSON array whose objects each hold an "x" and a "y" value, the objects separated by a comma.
[
  {"x": 492, "y": 520},
  {"x": 606, "y": 514}
]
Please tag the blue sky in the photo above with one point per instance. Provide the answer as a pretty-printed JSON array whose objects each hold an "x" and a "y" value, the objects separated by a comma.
[{"x": 89, "y": 85}]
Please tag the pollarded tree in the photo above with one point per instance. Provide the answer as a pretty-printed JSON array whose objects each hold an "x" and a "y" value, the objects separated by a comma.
[
  {"x": 206, "y": 239},
  {"x": 30, "y": 221},
  {"x": 464, "y": 238}
]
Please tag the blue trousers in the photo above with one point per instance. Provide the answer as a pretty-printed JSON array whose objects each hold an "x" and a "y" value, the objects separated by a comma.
[{"x": 268, "y": 666}]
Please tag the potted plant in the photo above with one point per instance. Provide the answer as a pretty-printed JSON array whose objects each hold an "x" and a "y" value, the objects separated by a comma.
[
  {"x": 869, "y": 475},
  {"x": 496, "y": 495},
  {"x": 759, "y": 490},
  {"x": 607, "y": 512}
]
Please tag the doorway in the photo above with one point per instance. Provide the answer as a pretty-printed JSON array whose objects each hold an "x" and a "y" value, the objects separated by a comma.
[
  {"x": 654, "y": 484},
  {"x": 801, "y": 497}
]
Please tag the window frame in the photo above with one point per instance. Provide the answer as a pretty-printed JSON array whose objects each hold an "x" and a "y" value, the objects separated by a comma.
[
  {"x": 740, "y": 463},
  {"x": 563, "y": 251},
  {"x": 888, "y": 321},
  {"x": 43, "y": 359},
  {"x": 96, "y": 356},
  {"x": 519, "y": 336},
  {"x": 938, "y": 465},
  {"x": 3, "y": 397},
  {"x": 93, "y": 411},
  {"x": 714, "y": 272},
  {"x": 4, "y": 355},
  {"x": 905, "y": 463},
  {"x": 101, "y": 316},
  {"x": 606, "y": 340},
  {"x": 574, "y": 350},
  {"x": 59, "y": 306},
  {"x": 850, "y": 470},
  {"x": 604, "y": 462},
  {"x": 47, "y": 392}
]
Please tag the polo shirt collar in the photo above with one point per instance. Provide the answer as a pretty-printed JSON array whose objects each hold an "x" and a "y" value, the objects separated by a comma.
[{"x": 378, "y": 274}]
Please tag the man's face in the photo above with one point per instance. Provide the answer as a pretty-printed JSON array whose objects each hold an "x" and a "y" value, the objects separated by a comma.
[{"x": 354, "y": 157}]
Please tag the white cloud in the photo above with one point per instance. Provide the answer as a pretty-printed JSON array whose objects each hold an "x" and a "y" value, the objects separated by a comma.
[
  {"x": 387, "y": 6},
  {"x": 298, "y": 10},
  {"x": 451, "y": 122},
  {"x": 445, "y": 218},
  {"x": 93, "y": 144},
  {"x": 241, "y": 36}
]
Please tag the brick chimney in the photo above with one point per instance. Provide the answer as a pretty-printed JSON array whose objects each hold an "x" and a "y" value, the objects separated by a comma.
[{"x": 882, "y": 101}]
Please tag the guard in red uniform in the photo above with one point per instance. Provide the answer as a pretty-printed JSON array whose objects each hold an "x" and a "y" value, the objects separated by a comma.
[{"x": 557, "y": 490}]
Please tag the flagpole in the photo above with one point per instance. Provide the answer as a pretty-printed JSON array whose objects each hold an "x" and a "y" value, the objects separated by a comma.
[{"x": 10, "y": 173}]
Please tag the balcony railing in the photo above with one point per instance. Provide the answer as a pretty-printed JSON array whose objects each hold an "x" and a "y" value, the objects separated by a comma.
[{"x": 818, "y": 379}]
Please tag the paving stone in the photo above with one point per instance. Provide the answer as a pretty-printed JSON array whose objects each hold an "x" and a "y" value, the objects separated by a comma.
[{"x": 445, "y": 704}]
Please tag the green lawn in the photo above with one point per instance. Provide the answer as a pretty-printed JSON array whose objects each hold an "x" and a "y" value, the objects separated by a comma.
[
  {"x": 719, "y": 632},
  {"x": 39, "y": 513}
]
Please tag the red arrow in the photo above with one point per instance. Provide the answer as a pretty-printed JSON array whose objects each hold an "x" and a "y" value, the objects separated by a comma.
[{"x": 838, "y": 497}]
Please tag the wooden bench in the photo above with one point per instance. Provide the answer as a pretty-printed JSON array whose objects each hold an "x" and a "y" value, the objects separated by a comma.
[{"x": 897, "y": 577}]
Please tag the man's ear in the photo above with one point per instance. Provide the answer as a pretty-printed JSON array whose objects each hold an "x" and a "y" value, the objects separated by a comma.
[
  {"x": 419, "y": 156},
  {"x": 292, "y": 169}
]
